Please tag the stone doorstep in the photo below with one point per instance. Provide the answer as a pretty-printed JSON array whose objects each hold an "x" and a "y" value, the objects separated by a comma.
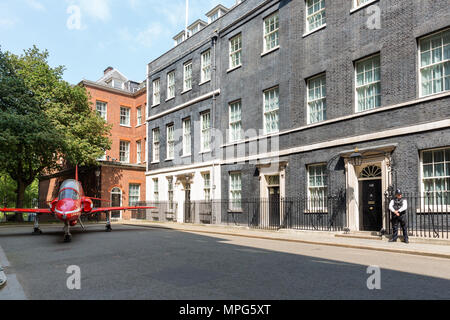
[{"x": 412, "y": 239}]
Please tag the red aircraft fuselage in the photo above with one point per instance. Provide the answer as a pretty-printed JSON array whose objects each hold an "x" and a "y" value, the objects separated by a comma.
[{"x": 71, "y": 203}]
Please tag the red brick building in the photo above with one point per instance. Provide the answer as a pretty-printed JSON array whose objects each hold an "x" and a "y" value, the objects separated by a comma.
[{"x": 120, "y": 176}]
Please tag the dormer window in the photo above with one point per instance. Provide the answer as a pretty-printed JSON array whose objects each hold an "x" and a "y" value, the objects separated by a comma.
[{"x": 216, "y": 13}]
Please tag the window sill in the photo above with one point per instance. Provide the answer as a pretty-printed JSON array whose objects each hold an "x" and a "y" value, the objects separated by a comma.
[
  {"x": 234, "y": 68},
  {"x": 205, "y": 151},
  {"x": 433, "y": 94},
  {"x": 154, "y": 162},
  {"x": 362, "y": 6},
  {"x": 231, "y": 211},
  {"x": 126, "y": 126},
  {"x": 314, "y": 31},
  {"x": 186, "y": 91},
  {"x": 270, "y": 51},
  {"x": 186, "y": 155},
  {"x": 155, "y": 105},
  {"x": 139, "y": 125},
  {"x": 204, "y": 82},
  {"x": 168, "y": 99},
  {"x": 169, "y": 159}
]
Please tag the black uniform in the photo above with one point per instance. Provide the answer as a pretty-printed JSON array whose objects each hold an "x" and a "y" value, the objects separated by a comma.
[{"x": 396, "y": 205}]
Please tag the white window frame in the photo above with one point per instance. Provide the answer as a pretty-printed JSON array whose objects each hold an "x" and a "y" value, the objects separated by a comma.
[
  {"x": 133, "y": 194},
  {"x": 170, "y": 142},
  {"x": 155, "y": 145},
  {"x": 170, "y": 193},
  {"x": 361, "y": 4},
  {"x": 235, "y": 51},
  {"x": 275, "y": 31},
  {"x": 156, "y": 92},
  {"x": 235, "y": 193},
  {"x": 323, "y": 189},
  {"x": 445, "y": 177},
  {"x": 103, "y": 112},
  {"x": 367, "y": 84},
  {"x": 271, "y": 111},
  {"x": 322, "y": 99},
  {"x": 187, "y": 76},
  {"x": 315, "y": 13},
  {"x": 125, "y": 151},
  {"x": 206, "y": 186},
  {"x": 138, "y": 151},
  {"x": 234, "y": 124},
  {"x": 155, "y": 189},
  {"x": 187, "y": 137},
  {"x": 205, "y": 135},
  {"x": 139, "y": 115},
  {"x": 206, "y": 66},
  {"x": 126, "y": 116},
  {"x": 443, "y": 62},
  {"x": 171, "y": 85}
]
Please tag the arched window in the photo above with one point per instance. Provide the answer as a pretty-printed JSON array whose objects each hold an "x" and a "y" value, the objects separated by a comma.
[{"x": 371, "y": 171}]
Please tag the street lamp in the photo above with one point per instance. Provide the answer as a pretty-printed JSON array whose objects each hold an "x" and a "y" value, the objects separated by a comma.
[{"x": 356, "y": 158}]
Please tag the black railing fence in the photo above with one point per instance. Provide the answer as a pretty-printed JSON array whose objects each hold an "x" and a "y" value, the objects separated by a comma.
[
  {"x": 289, "y": 213},
  {"x": 164, "y": 211},
  {"x": 428, "y": 215}
]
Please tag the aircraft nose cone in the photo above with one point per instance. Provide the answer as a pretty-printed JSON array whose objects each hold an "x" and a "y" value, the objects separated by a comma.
[{"x": 66, "y": 205}]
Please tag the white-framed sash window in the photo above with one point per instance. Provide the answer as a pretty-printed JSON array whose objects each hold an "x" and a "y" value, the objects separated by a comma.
[
  {"x": 155, "y": 148},
  {"x": 235, "y": 124},
  {"x": 155, "y": 189},
  {"x": 170, "y": 142},
  {"x": 125, "y": 116},
  {"x": 205, "y": 131},
  {"x": 315, "y": 14},
  {"x": 434, "y": 52},
  {"x": 138, "y": 152},
  {"x": 271, "y": 108},
  {"x": 206, "y": 66},
  {"x": 435, "y": 175},
  {"x": 124, "y": 151},
  {"x": 186, "y": 137},
  {"x": 156, "y": 92},
  {"x": 102, "y": 109},
  {"x": 171, "y": 85},
  {"x": 135, "y": 195},
  {"x": 368, "y": 83},
  {"x": 317, "y": 187},
  {"x": 235, "y": 51},
  {"x": 187, "y": 77},
  {"x": 235, "y": 191},
  {"x": 206, "y": 186},
  {"x": 317, "y": 99},
  {"x": 271, "y": 28}
]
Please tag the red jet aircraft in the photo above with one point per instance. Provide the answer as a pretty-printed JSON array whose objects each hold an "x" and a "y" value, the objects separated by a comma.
[{"x": 70, "y": 206}]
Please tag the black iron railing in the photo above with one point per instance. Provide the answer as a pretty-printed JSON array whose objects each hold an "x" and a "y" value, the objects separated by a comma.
[{"x": 428, "y": 215}]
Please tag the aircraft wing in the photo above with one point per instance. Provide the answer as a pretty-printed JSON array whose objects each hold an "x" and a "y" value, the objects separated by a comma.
[
  {"x": 97, "y": 210},
  {"x": 39, "y": 211}
]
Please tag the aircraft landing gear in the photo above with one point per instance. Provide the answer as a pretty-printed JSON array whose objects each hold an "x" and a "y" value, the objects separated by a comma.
[
  {"x": 67, "y": 235},
  {"x": 108, "y": 222},
  {"x": 36, "y": 229}
]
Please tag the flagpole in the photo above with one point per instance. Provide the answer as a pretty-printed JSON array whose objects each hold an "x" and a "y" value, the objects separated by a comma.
[{"x": 187, "y": 19}]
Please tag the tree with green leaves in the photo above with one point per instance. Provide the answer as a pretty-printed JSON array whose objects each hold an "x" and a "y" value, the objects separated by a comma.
[{"x": 45, "y": 123}]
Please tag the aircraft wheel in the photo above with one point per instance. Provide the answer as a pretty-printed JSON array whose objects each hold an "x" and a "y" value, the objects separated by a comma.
[{"x": 67, "y": 238}]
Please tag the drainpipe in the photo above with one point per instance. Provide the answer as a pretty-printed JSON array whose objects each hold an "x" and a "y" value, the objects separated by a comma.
[{"x": 214, "y": 100}]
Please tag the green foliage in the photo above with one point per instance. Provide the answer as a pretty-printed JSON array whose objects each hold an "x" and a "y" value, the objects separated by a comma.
[{"x": 43, "y": 119}]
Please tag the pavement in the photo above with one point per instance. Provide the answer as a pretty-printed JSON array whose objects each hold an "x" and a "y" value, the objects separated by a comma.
[
  {"x": 439, "y": 248},
  {"x": 161, "y": 262}
]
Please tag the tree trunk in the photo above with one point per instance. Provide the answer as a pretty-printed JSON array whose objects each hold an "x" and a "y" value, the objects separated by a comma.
[{"x": 21, "y": 186}]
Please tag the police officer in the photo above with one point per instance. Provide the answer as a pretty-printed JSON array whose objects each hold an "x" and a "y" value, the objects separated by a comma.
[{"x": 398, "y": 207}]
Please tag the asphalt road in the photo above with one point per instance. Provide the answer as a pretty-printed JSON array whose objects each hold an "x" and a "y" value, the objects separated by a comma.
[{"x": 147, "y": 263}]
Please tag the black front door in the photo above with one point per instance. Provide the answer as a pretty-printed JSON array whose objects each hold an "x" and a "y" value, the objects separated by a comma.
[
  {"x": 116, "y": 201},
  {"x": 372, "y": 205},
  {"x": 274, "y": 206}
]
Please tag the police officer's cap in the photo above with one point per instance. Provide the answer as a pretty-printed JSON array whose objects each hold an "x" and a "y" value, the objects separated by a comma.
[{"x": 398, "y": 191}]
